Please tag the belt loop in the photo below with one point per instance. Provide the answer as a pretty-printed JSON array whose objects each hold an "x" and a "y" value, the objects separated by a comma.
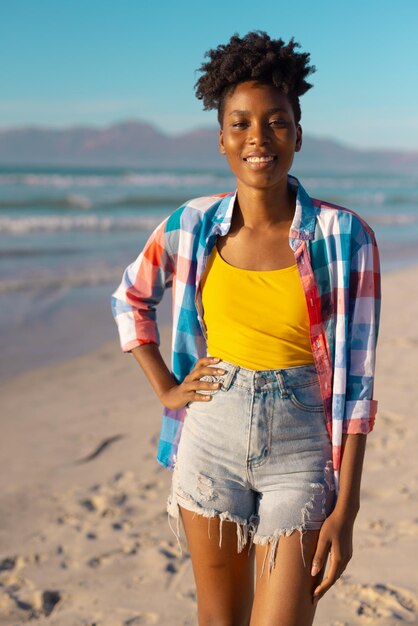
[
  {"x": 282, "y": 384},
  {"x": 228, "y": 376}
]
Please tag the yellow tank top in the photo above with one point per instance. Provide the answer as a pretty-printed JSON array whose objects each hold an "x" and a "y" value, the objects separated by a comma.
[{"x": 255, "y": 319}]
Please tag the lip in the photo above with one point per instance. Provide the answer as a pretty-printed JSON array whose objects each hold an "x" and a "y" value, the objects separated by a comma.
[{"x": 261, "y": 165}]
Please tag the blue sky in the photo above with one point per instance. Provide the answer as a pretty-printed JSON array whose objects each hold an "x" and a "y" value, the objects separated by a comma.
[{"x": 102, "y": 61}]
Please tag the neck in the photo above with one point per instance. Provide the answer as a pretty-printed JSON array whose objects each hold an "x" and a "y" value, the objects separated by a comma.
[{"x": 263, "y": 208}]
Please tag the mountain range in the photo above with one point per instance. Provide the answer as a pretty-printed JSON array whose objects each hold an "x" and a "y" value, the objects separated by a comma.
[{"x": 135, "y": 143}]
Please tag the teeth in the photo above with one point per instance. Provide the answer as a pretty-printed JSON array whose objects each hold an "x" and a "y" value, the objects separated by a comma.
[{"x": 264, "y": 159}]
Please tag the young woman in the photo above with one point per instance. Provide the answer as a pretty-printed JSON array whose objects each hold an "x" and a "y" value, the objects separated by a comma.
[{"x": 276, "y": 303}]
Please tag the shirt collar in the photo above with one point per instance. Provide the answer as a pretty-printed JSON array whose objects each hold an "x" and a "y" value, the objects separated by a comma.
[{"x": 303, "y": 224}]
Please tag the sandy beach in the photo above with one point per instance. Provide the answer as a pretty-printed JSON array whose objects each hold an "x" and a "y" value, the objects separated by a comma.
[{"x": 84, "y": 538}]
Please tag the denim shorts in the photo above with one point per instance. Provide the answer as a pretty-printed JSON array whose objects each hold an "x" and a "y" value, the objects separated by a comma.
[{"x": 257, "y": 454}]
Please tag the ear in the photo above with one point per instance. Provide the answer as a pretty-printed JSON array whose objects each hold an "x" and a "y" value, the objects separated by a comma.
[
  {"x": 221, "y": 142},
  {"x": 298, "y": 144}
]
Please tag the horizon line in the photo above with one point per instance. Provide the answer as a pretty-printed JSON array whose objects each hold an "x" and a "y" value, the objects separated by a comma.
[{"x": 122, "y": 121}]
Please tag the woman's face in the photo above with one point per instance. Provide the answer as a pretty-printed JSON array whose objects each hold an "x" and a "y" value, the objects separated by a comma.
[{"x": 259, "y": 135}]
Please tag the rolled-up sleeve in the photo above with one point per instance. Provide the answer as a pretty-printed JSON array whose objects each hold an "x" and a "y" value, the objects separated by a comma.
[
  {"x": 141, "y": 289},
  {"x": 363, "y": 331}
]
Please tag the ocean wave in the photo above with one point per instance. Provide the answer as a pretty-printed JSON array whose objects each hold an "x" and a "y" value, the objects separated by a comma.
[
  {"x": 377, "y": 198},
  {"x": 86, "y": 278},
  {"x": 77, "y": 201},
  {"x": 84, "y": 202},
  {"x": 397, "y": 219},
  {"x": 80, "y": 201},
  {"x": 95, "y": 223},
  {"x": 402, "y": 199},
  {"x": 53, "y": 224},
  {"x": 391, "y": 182},
  {"x": 132, "y": 179},
  {"x": 19, "y": 253}
]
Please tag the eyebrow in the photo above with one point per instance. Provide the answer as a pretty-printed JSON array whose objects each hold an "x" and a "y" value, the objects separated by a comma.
[{"x": 269, "y": 112}]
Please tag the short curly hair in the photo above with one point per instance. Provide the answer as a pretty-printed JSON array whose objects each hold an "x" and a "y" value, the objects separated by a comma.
[{"x": 254, "y": 57}]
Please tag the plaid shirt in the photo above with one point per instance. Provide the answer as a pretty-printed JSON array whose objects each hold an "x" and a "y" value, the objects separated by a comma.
[{"x": 338, "y": 262}]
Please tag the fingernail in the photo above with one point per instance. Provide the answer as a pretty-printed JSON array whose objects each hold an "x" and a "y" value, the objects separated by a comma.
[
  {"x": 315, "y": 570},
  {"x": 215, "y": 358}
]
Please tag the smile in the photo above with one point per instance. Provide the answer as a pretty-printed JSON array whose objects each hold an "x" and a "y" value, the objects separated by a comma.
[
  {"x": 262, "y": 159},
  {"x": 259, "y": 162}
]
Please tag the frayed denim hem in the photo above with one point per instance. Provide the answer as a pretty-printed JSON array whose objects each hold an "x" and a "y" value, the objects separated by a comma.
[{"x": 245, "y": 528}]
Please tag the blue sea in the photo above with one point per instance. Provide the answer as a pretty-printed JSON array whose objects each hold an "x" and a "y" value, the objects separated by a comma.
[{"x": 66, "y": 235}]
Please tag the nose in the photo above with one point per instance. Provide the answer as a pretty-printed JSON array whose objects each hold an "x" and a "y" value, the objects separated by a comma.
[{"x": 259, "y": 135}]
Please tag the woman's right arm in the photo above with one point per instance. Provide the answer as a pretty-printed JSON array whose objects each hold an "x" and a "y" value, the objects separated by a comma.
[
  {"x": 149, "y": 358},
  {"x": 172, "y": 394},
  {"x": 134, "y": 305},
  {"x": 141, "y": 289}
]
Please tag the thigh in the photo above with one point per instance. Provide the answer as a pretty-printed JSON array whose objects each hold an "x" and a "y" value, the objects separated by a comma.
[
  {"x": 224, "y": 577},
  {"x": 285, "y": 597}
]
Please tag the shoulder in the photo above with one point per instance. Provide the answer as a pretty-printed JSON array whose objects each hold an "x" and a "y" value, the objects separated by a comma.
[
  {"x": 195, "y": 208},
  {"x": 184, "y": 224},
  {"x": 339, "y": 220},
  {"x": 188, "y": 217}
]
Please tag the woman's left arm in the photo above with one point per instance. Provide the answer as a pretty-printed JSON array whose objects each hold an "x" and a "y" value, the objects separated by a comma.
[{"x": 336, "y": 533}]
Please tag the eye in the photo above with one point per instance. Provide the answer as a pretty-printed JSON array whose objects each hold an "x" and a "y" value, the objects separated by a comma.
[
  {"x": 239, "y": 124},
  {"x": 278, "y": 122}
]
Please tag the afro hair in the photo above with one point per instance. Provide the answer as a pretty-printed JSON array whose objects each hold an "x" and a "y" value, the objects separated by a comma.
[{"x": 254, "y": 57}]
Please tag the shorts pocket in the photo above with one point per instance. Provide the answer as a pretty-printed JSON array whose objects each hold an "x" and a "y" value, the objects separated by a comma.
[
  {"x": 307, "y": 397},
  {"x": 209, "y": 379}
]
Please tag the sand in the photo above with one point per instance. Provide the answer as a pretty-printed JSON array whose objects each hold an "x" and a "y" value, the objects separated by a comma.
[{"x": 84, "y": 538}]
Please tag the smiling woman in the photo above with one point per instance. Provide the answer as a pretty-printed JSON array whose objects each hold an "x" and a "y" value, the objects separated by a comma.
[{"x": 270, "y": 392}]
